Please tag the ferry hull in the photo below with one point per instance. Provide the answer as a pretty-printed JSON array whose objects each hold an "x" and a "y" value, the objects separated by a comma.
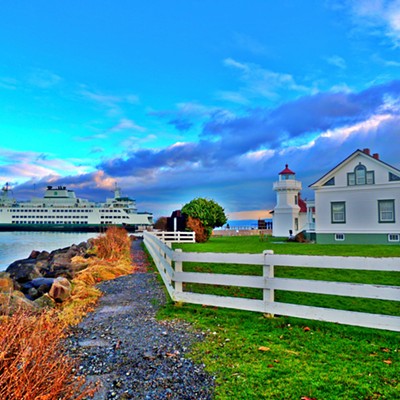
[{"x": 61, "y": 228}]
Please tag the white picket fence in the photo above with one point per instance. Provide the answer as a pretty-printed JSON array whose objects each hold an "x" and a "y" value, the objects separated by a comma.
[
  {"x": 174, "y": 237},
  {"x": 169, "y": 265}
]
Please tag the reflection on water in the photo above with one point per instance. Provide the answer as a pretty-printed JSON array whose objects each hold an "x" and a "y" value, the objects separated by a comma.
[{"x": 18, "y": 245}]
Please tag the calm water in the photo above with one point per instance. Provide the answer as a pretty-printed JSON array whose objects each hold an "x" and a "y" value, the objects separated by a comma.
[{"x": 17, "y": 245}]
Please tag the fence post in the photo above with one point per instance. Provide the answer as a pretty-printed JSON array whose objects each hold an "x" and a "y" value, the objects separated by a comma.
[
  {"x": 178, "y": 268},
  {"x": 268, "y": 273}
]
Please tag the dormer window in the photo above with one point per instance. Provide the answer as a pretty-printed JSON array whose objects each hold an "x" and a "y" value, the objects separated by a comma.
[
  {"x": 360, "y": 176},
  {"x": 393, "y": 177}
]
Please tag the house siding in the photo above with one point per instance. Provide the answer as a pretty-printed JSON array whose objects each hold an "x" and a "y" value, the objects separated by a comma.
[
  {"x": 355, "y": 238},
  {"x": 362, "y": 223}
]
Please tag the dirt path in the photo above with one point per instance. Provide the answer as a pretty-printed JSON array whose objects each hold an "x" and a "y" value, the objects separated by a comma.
[{"x": 134, "y": 356}]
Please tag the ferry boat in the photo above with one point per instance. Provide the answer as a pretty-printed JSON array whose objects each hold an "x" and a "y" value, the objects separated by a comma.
[{"x": 60, "y": 210}]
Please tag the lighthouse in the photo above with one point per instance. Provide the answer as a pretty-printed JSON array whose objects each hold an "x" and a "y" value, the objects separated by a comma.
[{"x": 287, "y": 210}]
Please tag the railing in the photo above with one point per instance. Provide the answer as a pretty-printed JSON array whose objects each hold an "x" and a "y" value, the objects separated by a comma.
[
  {"x": 176, "y": 237},
  {"x": 169, "y": 264}
]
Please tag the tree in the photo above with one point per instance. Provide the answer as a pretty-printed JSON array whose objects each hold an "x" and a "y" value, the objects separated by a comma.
[{"x": 208, "y": 212}]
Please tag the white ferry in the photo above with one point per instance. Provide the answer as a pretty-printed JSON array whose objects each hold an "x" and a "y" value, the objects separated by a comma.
[{"x": 61, "y": 210}]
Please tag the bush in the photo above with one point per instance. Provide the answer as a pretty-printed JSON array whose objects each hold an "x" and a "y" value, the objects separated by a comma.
[
  {"x": 113, "y": 245},
  {"x": 33, "y": 364}
]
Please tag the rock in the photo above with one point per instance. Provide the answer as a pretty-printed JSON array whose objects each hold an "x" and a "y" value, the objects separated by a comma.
[
  {"x": 60, "y": 290},
  {"x": 34, "y": 254},
  {"x": 14, "y": 301},
  {"x": 33, "y": 294},
  {"x": 44, "y": 255},
  {"x": 23, "y": 270},
  {"x": 45, "y": 302}
]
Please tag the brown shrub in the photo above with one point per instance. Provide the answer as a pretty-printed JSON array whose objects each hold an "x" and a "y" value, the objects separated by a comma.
[
  {"x": 113, "y": 245},
  {"x": 161, "y": 224},
  {"x": 33, "y": 364},
  {"x": 197, "y": 227}
]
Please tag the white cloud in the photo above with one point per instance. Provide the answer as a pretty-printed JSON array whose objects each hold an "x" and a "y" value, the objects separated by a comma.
[
  {"x": 112, "y": 103},
  {"x": 380, "y": 14},
  {"x": 43, "y": 78},
  {"x": 337, "y": 62},
  {"x": 260, "y": 82}
]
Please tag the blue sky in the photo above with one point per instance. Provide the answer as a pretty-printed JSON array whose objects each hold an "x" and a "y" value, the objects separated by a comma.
[{"x": 182, "y": 99}]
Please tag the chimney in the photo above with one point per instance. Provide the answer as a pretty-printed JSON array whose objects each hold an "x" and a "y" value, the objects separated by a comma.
[
  {"x": 367, "y": 151},
  {"x": 376, "y": 156}
]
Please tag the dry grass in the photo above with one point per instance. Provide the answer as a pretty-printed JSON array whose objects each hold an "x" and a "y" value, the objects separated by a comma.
[
  {"x": 114, "y": 245},
  {"x": 33, "y": 364}
]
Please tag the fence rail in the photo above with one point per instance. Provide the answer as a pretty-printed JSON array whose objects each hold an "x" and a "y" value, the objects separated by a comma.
[
  {"x": 169, "y": 264},
  {"x": 177, "y": 237}
]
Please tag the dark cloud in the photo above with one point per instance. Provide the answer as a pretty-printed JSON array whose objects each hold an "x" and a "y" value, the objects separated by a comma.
[
  {"x": 300, "y": 118},
  {"x": 181, "y": 124}
]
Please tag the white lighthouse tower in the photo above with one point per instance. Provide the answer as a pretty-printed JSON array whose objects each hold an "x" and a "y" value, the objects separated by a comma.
[{"x": 287, "y": 210}]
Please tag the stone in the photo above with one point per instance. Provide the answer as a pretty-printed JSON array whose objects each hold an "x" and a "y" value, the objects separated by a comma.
[
  {"x": 45, "y": 301},
  {"x": 23, "y": 270},
  {"x": 60, "y": 290},
  {"x": 34, "y": 254}
]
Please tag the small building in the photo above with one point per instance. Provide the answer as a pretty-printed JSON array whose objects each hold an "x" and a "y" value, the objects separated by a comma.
[
  {"x": 291, "y": 214},
  {"x": 358, "y": 201}
]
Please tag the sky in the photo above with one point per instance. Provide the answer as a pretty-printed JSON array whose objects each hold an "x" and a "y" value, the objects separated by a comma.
[{"x": 179, "y": 99}]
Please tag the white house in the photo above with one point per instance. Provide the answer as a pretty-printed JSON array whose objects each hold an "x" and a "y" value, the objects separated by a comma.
[
  {"x": 291, "y": 213},
  {"x": 358, "y": 201}
]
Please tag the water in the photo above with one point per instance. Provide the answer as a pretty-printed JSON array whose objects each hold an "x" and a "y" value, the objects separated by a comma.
[
  {"x": 18, "y": 245},
  {"x": 244, "y": 223}
]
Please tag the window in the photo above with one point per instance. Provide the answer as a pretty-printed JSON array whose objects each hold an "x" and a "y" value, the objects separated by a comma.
[
  {"x": 393, "y": 237},
  {"x": 360, "y": 176},
  {"x": 339, "y": 236},
  {"x": 331, "y": 182},
  {"x": 338, "y": 212},
  {"x": 386, "y": 210},
  {"x": 393, "y": 177}
]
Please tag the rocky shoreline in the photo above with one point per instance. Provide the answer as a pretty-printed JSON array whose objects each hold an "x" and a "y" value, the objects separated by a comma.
[{"x": 42, "y": 279}]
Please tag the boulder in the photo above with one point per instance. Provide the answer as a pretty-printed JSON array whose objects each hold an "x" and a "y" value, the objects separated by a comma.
[
  {"x": 60, "y": 290},
  {"x": 37, "y": 287},
  {"x": 34, "y": 254},
  {"x": 45, "y": 302},
  {"x": 23, "y": 270}
]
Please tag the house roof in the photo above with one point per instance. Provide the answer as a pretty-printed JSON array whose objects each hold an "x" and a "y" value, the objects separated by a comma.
[
  {"x": 286, "y": 171},
  {"x": 364, "y": 153}
]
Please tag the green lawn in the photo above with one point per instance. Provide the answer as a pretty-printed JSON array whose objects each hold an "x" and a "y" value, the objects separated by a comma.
[
  {"x": 255, "y": 357},
  {"x": 251, "y": 244}
]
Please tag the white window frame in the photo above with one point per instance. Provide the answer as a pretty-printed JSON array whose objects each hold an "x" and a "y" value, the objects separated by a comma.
[
  {"x": 393, "y": 237},
  {"x": 386, "y": 215}
]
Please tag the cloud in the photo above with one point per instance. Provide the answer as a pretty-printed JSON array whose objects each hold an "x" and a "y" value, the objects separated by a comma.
[
  {"x": 31, "y": 165},
  {"x": 8, "y": 83},
  {"x": 250, "y": 44},
  {"x": 112, "y": 103},
  {"x": 43, "y": 79},
  {"x": 337, "y": 62},
  {"x": 185, "y": 116},
  {"x": 378, "y": 15},
  {"x": 237, "y": 157},
  {"x": 260, "y": 82}
]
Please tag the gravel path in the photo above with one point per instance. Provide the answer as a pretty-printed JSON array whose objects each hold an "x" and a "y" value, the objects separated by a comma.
[{"x": 133, "y": 355}]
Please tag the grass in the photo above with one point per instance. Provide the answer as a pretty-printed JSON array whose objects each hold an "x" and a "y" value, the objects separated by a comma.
[
  {"x": 255, "y": 357},
  {"x": 251, "y": 244}
]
